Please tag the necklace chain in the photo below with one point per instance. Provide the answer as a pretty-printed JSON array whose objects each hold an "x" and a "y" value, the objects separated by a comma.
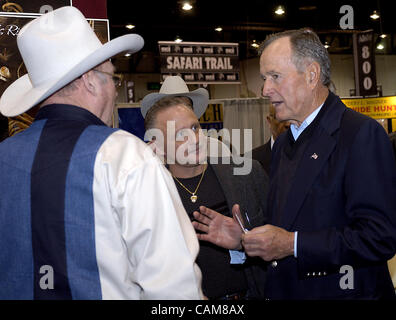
[{"x": 193, "y": 197}]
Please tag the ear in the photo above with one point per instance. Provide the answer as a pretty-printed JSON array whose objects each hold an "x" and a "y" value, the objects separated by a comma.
[
  {"x": 312, "y": 74},
  {"x": 90, "y": 82}
]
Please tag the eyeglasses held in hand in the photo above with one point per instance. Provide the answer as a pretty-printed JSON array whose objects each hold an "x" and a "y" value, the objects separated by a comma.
[
  {"x": 117, "y": 78},
  {"x": 241, "y": 223}
]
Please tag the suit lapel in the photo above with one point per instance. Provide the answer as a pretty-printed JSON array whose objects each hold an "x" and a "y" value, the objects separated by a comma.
[{"x": 315, "y": 157}]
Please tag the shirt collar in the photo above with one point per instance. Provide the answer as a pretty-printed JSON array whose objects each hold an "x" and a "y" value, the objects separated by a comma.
[
  {"x": 296, "y": 131},
  {"x": 68, "y": 112}
]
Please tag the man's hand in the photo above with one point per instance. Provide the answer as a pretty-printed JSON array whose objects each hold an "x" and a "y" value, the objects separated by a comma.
[
  {"x": 268, "y": 242},
  {"x": 218, "y": 229}
]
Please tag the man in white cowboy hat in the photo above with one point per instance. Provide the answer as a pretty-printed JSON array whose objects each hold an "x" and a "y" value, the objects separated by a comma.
[
  {"x": 174, "y": 132},
  {"x": 86, "y": 211}
]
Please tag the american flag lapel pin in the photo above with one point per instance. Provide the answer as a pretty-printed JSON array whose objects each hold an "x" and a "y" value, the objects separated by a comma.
[{"x": 314, "y": 156}]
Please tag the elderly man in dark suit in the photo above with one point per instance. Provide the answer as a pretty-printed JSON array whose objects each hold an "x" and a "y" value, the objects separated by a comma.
[
  {"x": 332, "y": 184},
  {"x": 263, "y": 153}
]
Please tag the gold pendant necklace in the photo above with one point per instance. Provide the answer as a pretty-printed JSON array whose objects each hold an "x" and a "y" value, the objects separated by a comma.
[{"x": 193, "y": 197}]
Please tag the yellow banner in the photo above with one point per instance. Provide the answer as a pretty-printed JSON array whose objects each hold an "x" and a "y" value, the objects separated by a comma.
[
  {"x": 214, "y": 113},
  {"x": 377, "y": 108}
]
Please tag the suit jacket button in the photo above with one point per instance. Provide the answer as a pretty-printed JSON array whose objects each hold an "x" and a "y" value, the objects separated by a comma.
[{"x": 274, "y": 264}]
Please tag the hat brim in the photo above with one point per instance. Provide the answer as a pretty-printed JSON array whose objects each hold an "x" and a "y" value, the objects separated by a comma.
[
  {"x": 199, "y": 98},
  {"x": 20, "y": 96}
]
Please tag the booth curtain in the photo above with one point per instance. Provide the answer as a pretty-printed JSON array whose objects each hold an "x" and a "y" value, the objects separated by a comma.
[{"x": 249, "y": 113}]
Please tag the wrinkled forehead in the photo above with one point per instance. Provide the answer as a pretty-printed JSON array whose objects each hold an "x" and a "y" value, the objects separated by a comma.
[{"x": 277, "y": 55}]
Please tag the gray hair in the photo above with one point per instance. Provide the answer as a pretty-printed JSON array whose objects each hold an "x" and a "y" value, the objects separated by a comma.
[
  {"x": 71, "y": 87},
  {"x": 306, "y": 48}
]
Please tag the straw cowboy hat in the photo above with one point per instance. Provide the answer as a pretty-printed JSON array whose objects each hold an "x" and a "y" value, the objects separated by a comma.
[
  {"x": 175, "y": 86},
  {"x": 57, "y": 48}
]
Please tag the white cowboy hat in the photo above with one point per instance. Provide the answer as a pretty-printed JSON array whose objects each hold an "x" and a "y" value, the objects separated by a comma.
[
  {"x": 57, "y": 48},
  {"x": 175, "y": 86}
]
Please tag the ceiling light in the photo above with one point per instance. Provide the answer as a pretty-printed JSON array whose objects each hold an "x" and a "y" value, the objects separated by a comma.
[
  {"x": 383, "y": 36},
  {"x": 255, "y": 44},
  {"x": 326, "y": 45},
  {"x": 380, "y": 46},
  {"x": 178, "y": 39},
  {"x": 375, "y": 15},
  {"x": 187, "y": 6},
  {"x": 128, "y": 54},
  {"x": 219, "y": 29},
  {"x": 280, "y": 11},
  {"x": 130, "y": 26}
]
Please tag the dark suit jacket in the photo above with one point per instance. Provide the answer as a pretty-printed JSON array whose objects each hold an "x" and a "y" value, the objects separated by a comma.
[
  {"x": 343, "y": 206},
  {"x": 392, "y": 137},
  {"x": 263, "y": 155},
  {"x": 250, "y": 192}
]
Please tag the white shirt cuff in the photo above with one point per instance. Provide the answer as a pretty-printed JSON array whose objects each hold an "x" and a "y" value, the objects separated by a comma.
[{"x": 237, "y": 257}]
